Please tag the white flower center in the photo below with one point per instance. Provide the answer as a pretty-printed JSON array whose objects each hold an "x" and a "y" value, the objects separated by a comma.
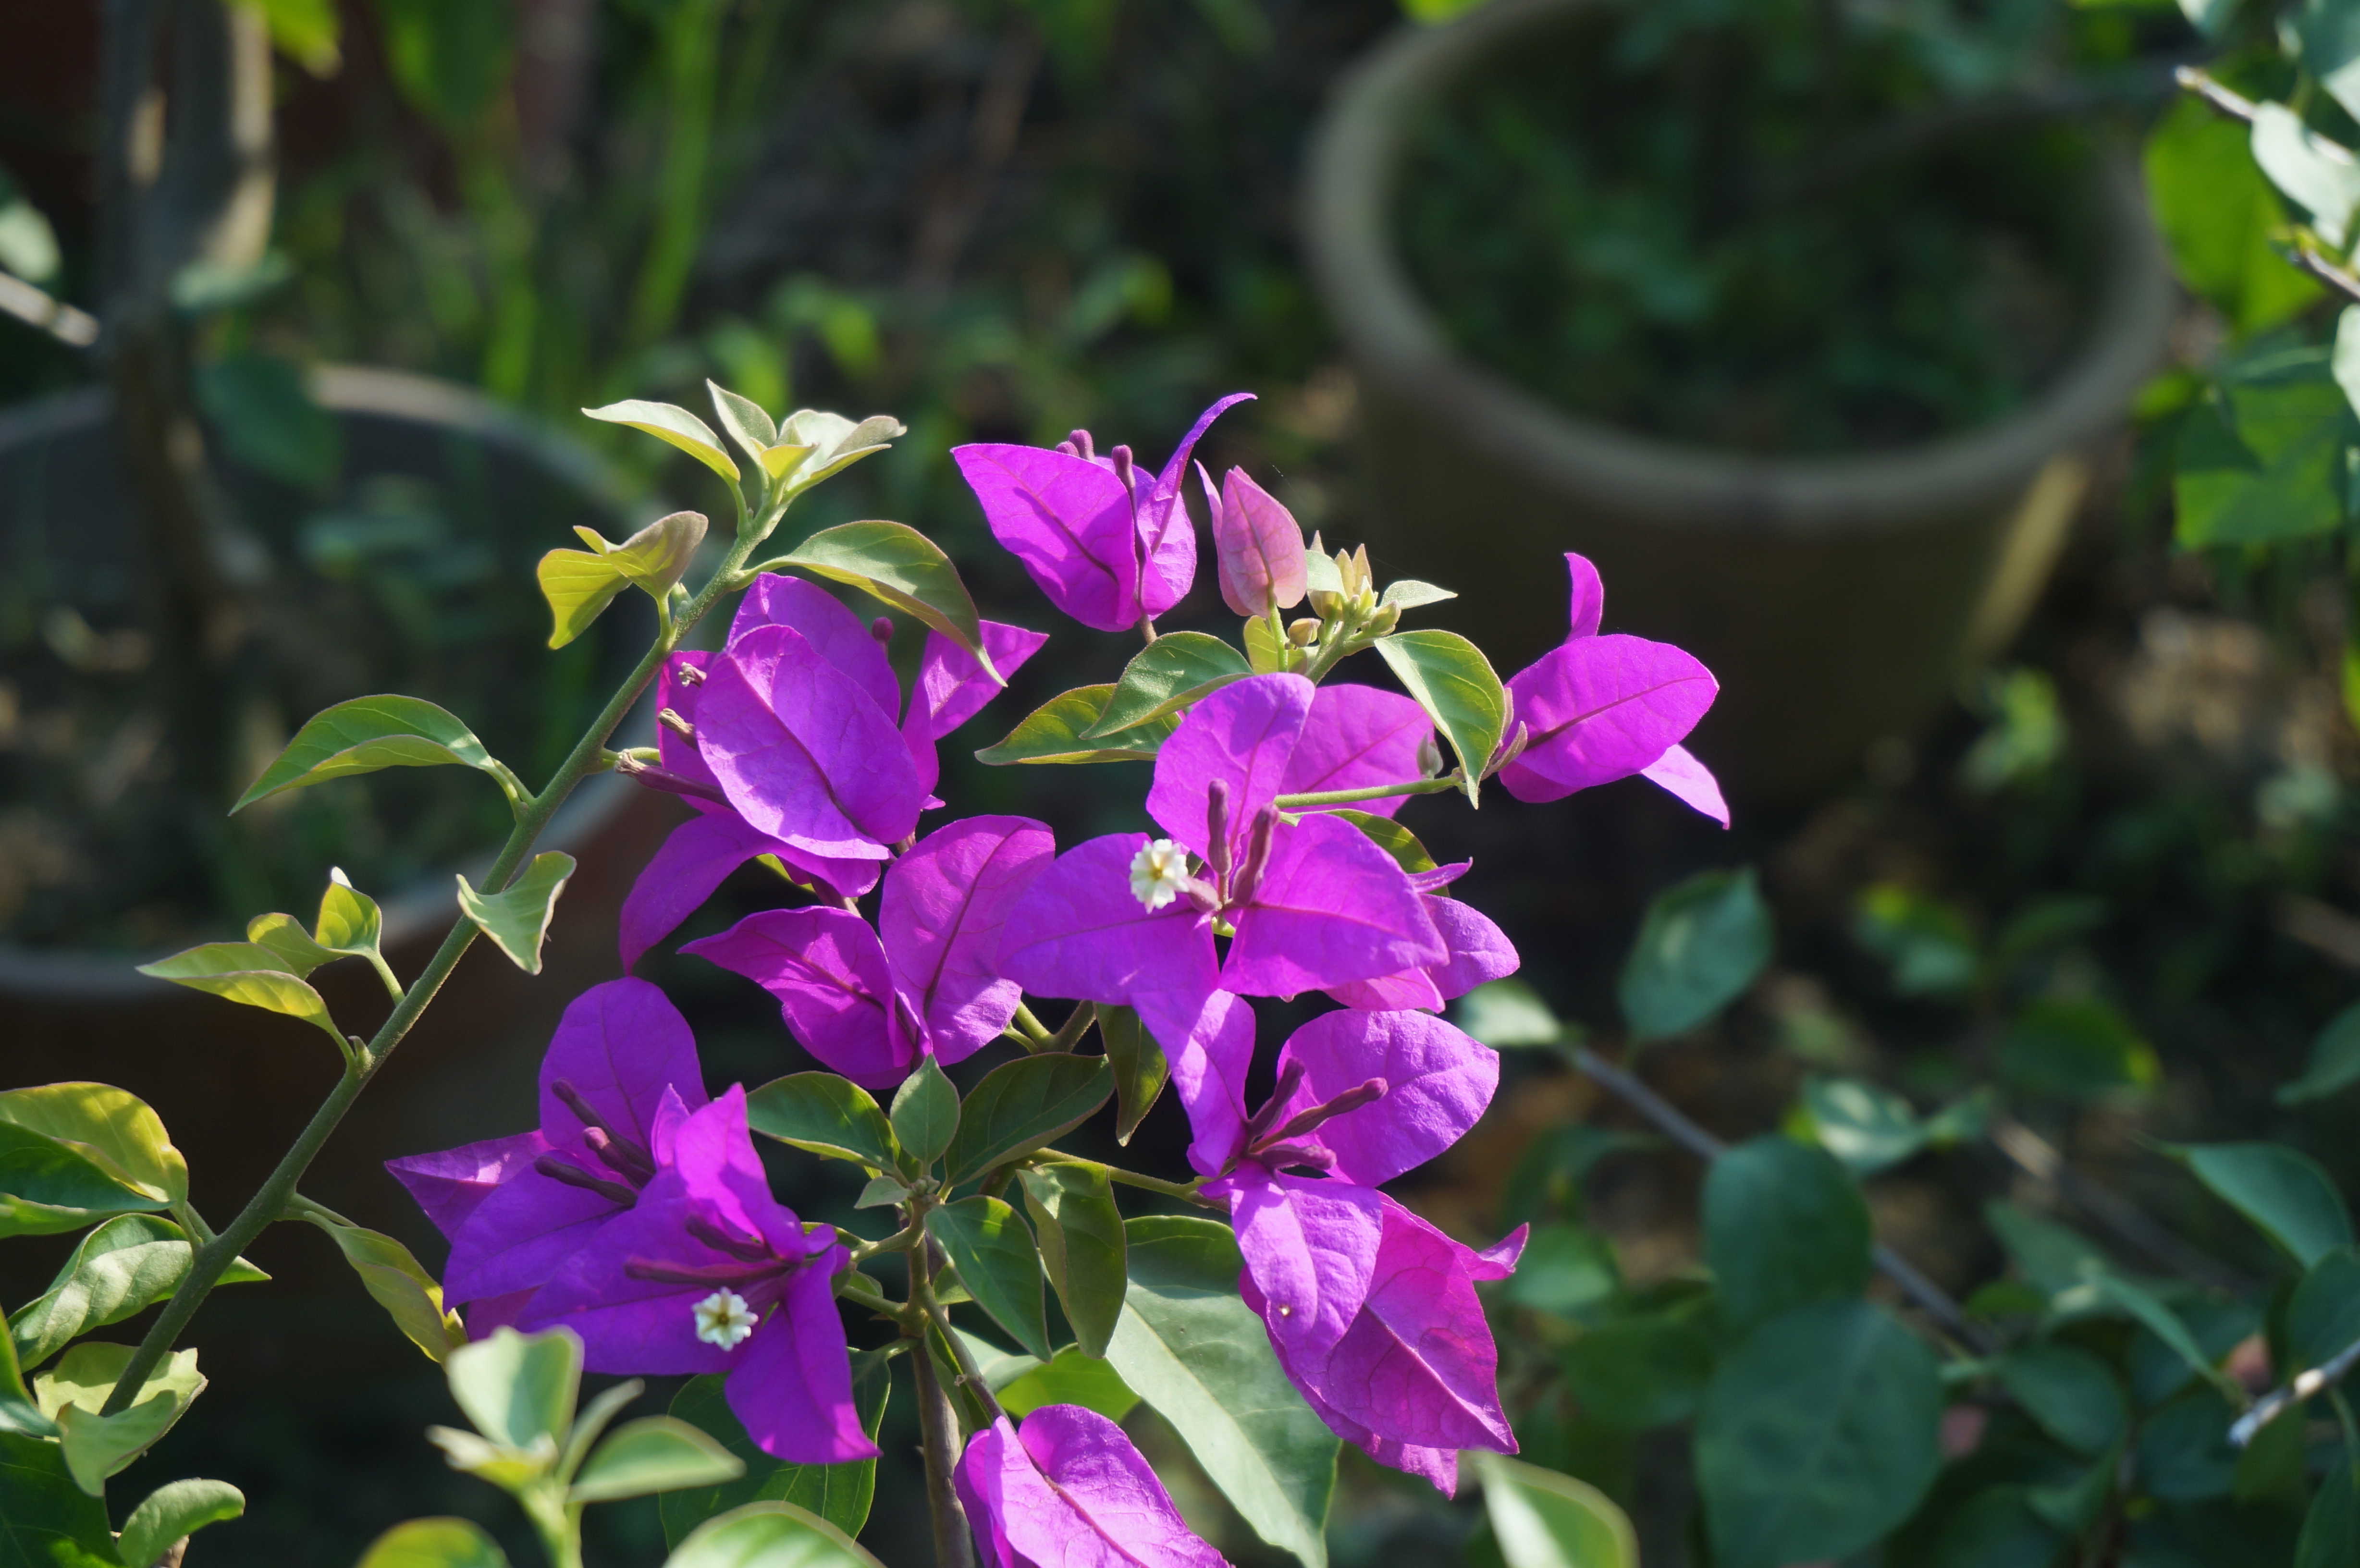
[
  {"x": 724, "y": 1319},
  {"x": 1159, "y": 873}
]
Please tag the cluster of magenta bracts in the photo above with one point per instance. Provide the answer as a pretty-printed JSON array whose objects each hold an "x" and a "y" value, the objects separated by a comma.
[{"x": 637, "y": 1215}]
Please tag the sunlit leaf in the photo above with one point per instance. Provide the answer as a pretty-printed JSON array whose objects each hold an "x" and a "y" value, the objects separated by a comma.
[
  {"x": 121, "y": 1267},
  {"x": 1069, "y": 1377},
  {"x": 173, "y": 1512},
  {"x": 434, "y": 1543},
  {"x": 654, "y": 1454},
  {"x": 367, "y": 734},
  {"x": 251, "y": 974},
  {"x": 1451, "y": 680},
  {"x": 1057, "y": 730},
  {"x": 517, "y": 918},
  {"x": 1543, "y": 1519},
  {"x": 824, "y": 1114},
  {"x": 767, "y": 1535},
  {"x": 674, "y": 426},
  {"x": 896, "y": 564},
  {"x": 1165, "y": 676},
  {"x": 1391, "y": 837},
  {"x": 397, "y": 1282},
  {"x": 519, "y": 1388},
  {"x": 75, "y": 1391}
]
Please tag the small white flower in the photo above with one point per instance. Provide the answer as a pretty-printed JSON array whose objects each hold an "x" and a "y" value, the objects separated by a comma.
[
  {"x": 724, "y": 1319},
  {"x": 1159, "y": 873}
]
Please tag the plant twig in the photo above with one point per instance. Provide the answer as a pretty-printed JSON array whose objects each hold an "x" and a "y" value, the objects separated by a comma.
[
  {"x": 1186, "y": 1191},
  {"x": 1373, "y": 793},
  {"x": 939, "y": 1426},
  {"x": 1931, "y": 1298},
  {"x": 2305, "y": 1384},
  {"x": 37, "y": 307},
  {"x": 2236, "y": 105},
  {"x": 1078, "y": 1024},
  {"x": 2040, "y": 1159}
]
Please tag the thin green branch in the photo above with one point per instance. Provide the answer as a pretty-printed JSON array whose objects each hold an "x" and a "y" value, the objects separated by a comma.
[
  {"x": 1449, "y": 780},
  {"x": 899, "y": 1241},
  {"x": 937, "y": 1424},
  {"x": 1186, "y": 1191},
  {"x": 1078, "y": 1024},
  {"x": 1033, "y": 1030}
]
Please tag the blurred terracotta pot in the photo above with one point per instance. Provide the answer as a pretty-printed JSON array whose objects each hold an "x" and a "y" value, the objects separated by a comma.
[{"x": 1836, "y": 598}]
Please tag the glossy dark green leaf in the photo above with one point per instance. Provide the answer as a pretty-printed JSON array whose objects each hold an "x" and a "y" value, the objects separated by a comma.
[
  {"x": 251, "y": 974},
  {"x": 2323, "y": 1317},
  {"x": 2334, "y": 1061},
  {"x": 1138, "y": 1064},
  {"x": 124, "y": 1265},
  {"x": 840, "y": 1493},
  {"x": 925, "y": 1114},
  {"x": 1022, "y": 1105},
  {"x": 998, "y": 1263},
  {"x": 1703, "y": 942},
  {"x": 824, "y": 1114},
  {"x": 1543, "y": 1519},
  {"x": 364, "y": 734},
  {"x": 769, "y": 1535},
  {"x": 1165, "y": 676},
  {"x": 1201, "y": 1357},
  {"x": 1391, "y": 837},
  {"x": 895, "y": 563},
  {"x": 1056, "y": 733},
  {"x": 434, "y": 1543},
  {"x": 1450, "y": 679},
  {"x": 2075, "y": 1047},
  {"x": 673, "y": 425},
  {"x": 2074, "y": 1396},
  {"x": 2284, "y": 1192},
  {"x": 1817, "y": 1435},
  {"x": 517, "y": 917},
  {"x": 1784, "y": 1224},
  {"x": 47, "y": 1521},
  {"x": 175, "y": 1510},
  {"x": 1081, "y": 1239},
  {"x": 1068, "y": 1378}
]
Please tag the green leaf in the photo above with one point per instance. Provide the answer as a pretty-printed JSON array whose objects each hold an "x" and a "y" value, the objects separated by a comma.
[
  {"x": 896, "y": 564},
  {"x": 2331, "y": 1531},
  {"x": 18, "y": 1413},
  {"x": 747, "y": 423},
  {"x": 2074, "y": 1396},
  {"x": 1072, "y": 1376},
  {"x": 2076, "y": 1048},
  {"x": 654, "y": 1454},
  {"x": 394, "y": 1280},
  {"x": 656, "y": 556},
  {"x": 366, "y": 734},
  {"x": 814, "y": 445},
  {"x": 2322, "y": 1317},
  {"x": 1018, "y": 1106},
  {"x": 2317, "y": 175},
  {"x": 1927, "y": 943},
  {"x": 997, "y": 1262},
  {"x": 2217, "y": 213},
  {"x": 1139, "y": 1064},
  {"x": 1507, "y": 1015},
  {"x": 2334, "y": 1061},
  {"x": 674, "y": 426},
  {"x": 2284, "y": 1193},
  {"x": 2262, "y": 456},
  {"x": 2326, "y": 33},
  {"x": 434, "y": 1543},
  {"x": 517, "y": 1387},
  {"x": 1167, "y": 675},
  {"x": 1410, "y": 594},
  {"x": 173, "y": 1512},
  {"x": 1817, "y": 1436},
  {"x": 1391, "y": 837},
  {"x": 769, "y": 1535},
  {"x": 1054, "y": 733},
  {"x": 517, "y": 918},
  {"x": 124, "y": 1265},
  {"x": 451, "y": 58},
  {"x": 1702, "y": 943},
  {"x": 1201, "y": 1357},
  {"x": 577, "y": 585},
  {"x": 824, "y": 1114},
  {"x": 840, "y": 1494},
  {"x": 1265, "y": 653},
  {"x": 1451, "y": 680},
  {"x": 925, "y": 1114},
  {"x": 1645, "y": 1370},
  {"x": 263, "y": 413},
  {"x": 46, "y": 1520},
  {"x": 96, "y": 1445},
  {"x": 111, "y": 1129},
  {"x": 349, "y": 926},
  {"x": 305, "y": 31},
  {"x": 2183, "y": 1452},
  {"x": 1567, "y": 1269},
  {"x": 1542, "y": 1519},
  {"x": 2052, "y": 1257},
  {"x": 1784, "y": 1226},
  {"x": 1867, "y": 1128},
  {"x": 251, "y": 974},
  {"x": 1080, "y": 1232},
  {"x": 46, "y": 1186}
]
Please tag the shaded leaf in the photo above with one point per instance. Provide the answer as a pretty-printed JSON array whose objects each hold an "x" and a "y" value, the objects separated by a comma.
[
  {"x": 2283, "y": 1192},
  {"x": 1165, "y": 676},
  {"x": 1929, "y": 943},
  {"x": 1542, "y": 1519},
  {"x": 925, "y": 1113},
  {"x": 367, "y": 734},
  {"x": 517, "y": 917},
  {"x": 519, "y": 1388},
  {"x": 121, "y": 1267},
  {"x": 172, "y": 1512},
  {"x": 1507, "y": 1015},
  {"x": 1643, "y": 1370},
  {"x": 997, "y": 1262},
  {"x": 47, "y": 1522},
  {"x": 1024, "y": 1104},
  {"x": 824, "y": 1114},
  {"x": 2334, "y": 1061},
  {"x": 2261, "y": 455},
  {"x": 1450, "y": 679},
  {"x": 1054, "y": 733},
  {"x": 2074, "y": 1396},
  {"x": 1703, "y": 942},
  {"x": 1784, "y": 1224},
  {"x": 2322, "y": 1317},
  {"x": 1138, "y": 1065},
  {"x": 840, "y": 1494},
  {"x": 1081, "y": 1239},
  {"x": 2075, "y": 1047}
]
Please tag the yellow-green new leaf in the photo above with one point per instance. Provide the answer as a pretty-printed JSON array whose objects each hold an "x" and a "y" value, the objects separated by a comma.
[
  {"x": 350, "y": 922},
  {"x": 251, "y": 973},
  {"x": 109, "y": 1128},
  {"x": 434, "y": 1543},
  {"x": 654, "y": 1454},
  {"x": 397, "y": 1282},
  {"x": 369, "y": 732},
  {"x": 1451, "y": 680},
  {"x": 97, "y": 1446},
  {"x": 743, "y": 419},
  {"x": 172, "y": 1512},
  {"x": 657, "y": 555},
  {"x": 832, "y": 442},
  {"x": 1543, "y": 1519},
  {"x": 762, "y": 1535},
  {"x": 578, "y": 584},
  {"x": 518, "y": 917},
  {"x": 896, "y": 564},
  {"x": 674, "y": 424}
]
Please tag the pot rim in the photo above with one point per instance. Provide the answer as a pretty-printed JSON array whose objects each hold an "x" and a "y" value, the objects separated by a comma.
[
  {"x": 1394, "y": 340},
  {"x": 418, "y": 911}
]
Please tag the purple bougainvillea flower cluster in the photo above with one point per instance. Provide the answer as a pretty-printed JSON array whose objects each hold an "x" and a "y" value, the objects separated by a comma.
[{"x": 797, "y": 751}]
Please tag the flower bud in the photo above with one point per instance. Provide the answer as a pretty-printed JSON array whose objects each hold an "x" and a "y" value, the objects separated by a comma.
[
  {"x": 1257, "y": 544},
  {"x": 1301, "y": 633}
]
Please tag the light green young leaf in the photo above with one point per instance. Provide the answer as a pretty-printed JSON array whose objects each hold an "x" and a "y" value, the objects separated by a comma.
[
  {"x": 97, "y": 1446},
  {"x": 289, "y": 943},
  {"x": 2217, "y": 213},
  {"x": 2317, "y": 175},
  {"x": 519, "y": 1388},
  {"x": 1265, "y": 654},
  {"x": 828, "y": 1116},
  {"x": 349, "y": 921},
  {"x": 997, "y": 1264},
  {"x": 896, "y": 564},
  {"x": 172, "y": 1512},
  {"x": 516, "y": 1470},
  {"x": 1543, "y": 1519},
  {"x": 518, "y": 917},
  {"x": 252, "y": 975},
  {"x": 397, "y": 1282},
  {"x": 1022, "y": 1105},
  {"x": 367, "y": 734},
  {"x": 744, "y": 420},
  {"x": 1056, "y": 731},
  {"x": 1451, "y": 680},
  {"x": 657, "y": 555},
  {"x": 1072, "y": 1376},
  {"x": 1082, "y": 1250},
  {"x": 1165, "y": 676},
  {"x": 120, "y": 1268},
  {"x": 654, "y": 1454},
  {"x": 766, "y": 1535},
  {"x": 1195, "y": 1351},
  {"x": 1410, "y": 594},
  {"x": 1703, "y": 942},
  {"x": 2261, "y": 455},
  {"x": 580, "y": 584},
  {"x": 834, "y": 442},
  {"x": 1139, "y": 1064},
  {"x": 110, "y": 1129},
  {"x": 1507, "y": 1015},
  {"x": 925, "y": 1114},
  {"x": 434, "y": 1543},
  {"x": 2284, "y": 1192},
  {"x": 674, "y": 426}
]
